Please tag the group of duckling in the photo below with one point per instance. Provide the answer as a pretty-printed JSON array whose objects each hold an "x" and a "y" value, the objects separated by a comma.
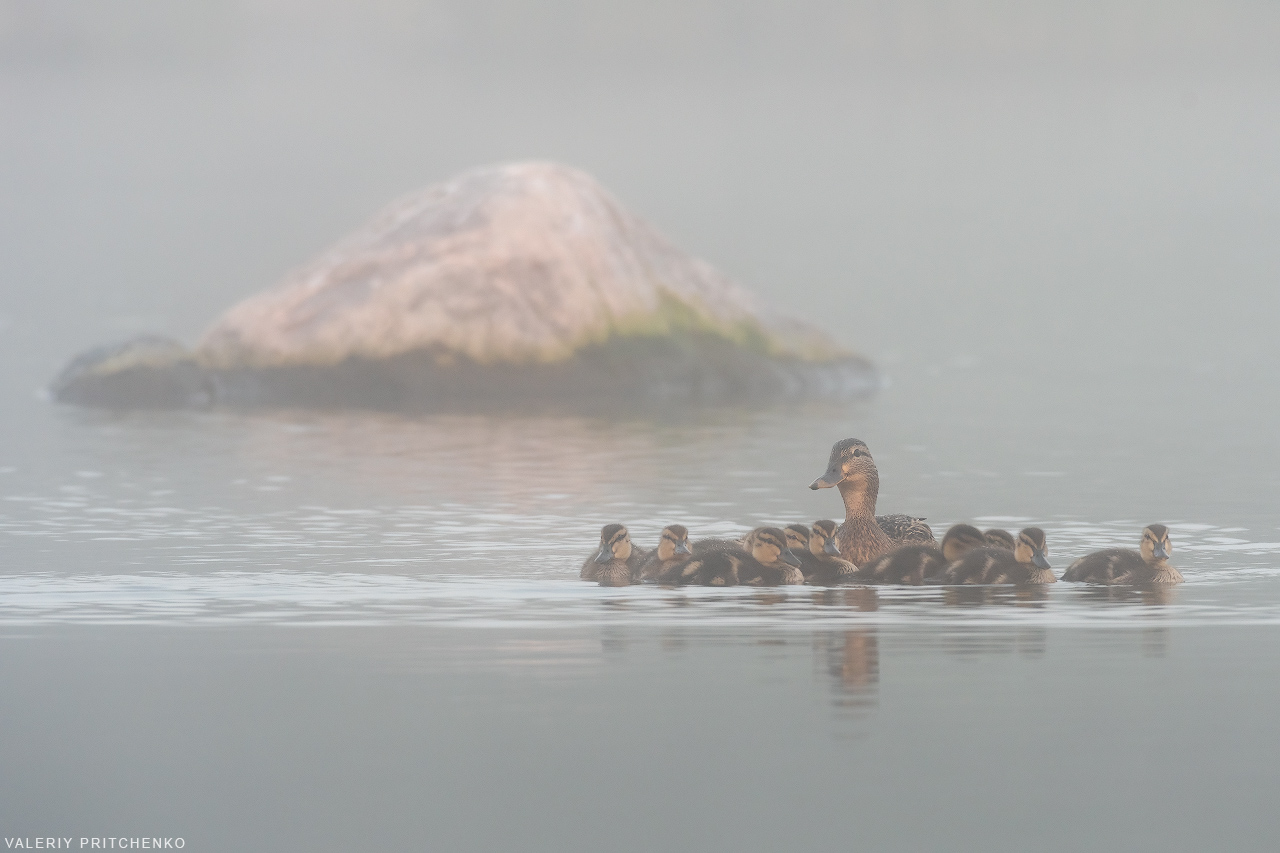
[{"x": 866, "y": 548}]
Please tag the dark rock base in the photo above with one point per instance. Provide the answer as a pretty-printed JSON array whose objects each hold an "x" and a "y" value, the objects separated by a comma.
[{"x": 624, "y": 373}]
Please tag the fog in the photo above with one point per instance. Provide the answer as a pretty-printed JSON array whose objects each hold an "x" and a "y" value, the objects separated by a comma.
[{"x": 1067, "y": 187}]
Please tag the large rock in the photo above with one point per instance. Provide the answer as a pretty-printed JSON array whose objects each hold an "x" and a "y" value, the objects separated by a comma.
[{"x": 516, "y": 283}]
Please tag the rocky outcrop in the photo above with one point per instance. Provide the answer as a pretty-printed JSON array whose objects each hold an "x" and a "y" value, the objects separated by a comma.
[{"x": 518, "y": 283}]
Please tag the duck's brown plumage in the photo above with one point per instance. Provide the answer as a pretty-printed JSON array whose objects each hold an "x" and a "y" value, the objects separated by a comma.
[
  {"x": 1148, "y": 565},
  {"x": 906, "y": 529},
  {"x": 862, "y": 538},
  {"x": 1027, "y": 563}
]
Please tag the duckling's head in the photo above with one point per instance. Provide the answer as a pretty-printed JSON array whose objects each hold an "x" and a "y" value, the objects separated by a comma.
[
  {"x": 960, "y": 540},
  {"x": 674, "y": 542},
  {"x": 615, "y": 543},
  {"x": 1032, "y": 548},
  {"x": 997, "y": 538},
  {"x": 769, "y": 546},
  {"x": 850, "y": 462},
  {"x": 823, "y": 539},
  {"x": 1155, "y": 543},
  {"x": 797, "y": 537}
]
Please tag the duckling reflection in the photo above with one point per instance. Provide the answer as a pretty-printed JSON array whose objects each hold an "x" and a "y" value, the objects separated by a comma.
[
  {"x": 864, "y": 536},
  {"x": 999, "y": 538},
  {"x": 615, "y": 561},
  {"x": 1149, "y": 595},
  {"x": 670, "y": 557},
  {"x": 1027, "y": 564},
  {"x": 1148, "y": 565},
  {"x": 825, "y": 566},
  {"x": 914, "y": 564}
]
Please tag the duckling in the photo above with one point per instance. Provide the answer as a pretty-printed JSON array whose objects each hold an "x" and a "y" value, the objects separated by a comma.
[
  {"x": 615, "y": 561},
  {"x": 798, "y": 536},
  {"x": 828, "y": 568},
  {"x": 1150, "y": 564},
  {"x": 864, "y": 536},
  {"x": 764, "y": 560},
  {"x": 1027, "y": 563},
  {"x": 915, "y": 564},
  {"x": 772, "y": 561},
  {"x": 670, "y": 555},
  {"x": 998, "y": 538}
]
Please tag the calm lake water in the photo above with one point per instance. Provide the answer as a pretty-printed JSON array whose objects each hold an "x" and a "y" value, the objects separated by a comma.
[{"x": 302, "y": 631}]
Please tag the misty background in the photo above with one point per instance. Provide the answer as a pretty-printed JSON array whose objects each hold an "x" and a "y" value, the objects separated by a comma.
[{"x": 1019, "y": 211}]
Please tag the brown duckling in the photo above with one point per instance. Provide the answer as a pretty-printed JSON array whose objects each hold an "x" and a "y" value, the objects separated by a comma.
[
  {"x": 864, "y": 536},
  {"x": 764, "y": 559},
  {"x": 669, "y": 557},
  {"x": 616, "y": 560},
  {"x": 1149, "y": 564},
  {"x": 829, "y": 568},
  {"x": 773, "y": 563},
  {"x": 915, "y": 564},
  {"x": 1027, "y": 563},
  {"x": 798, "y": 536},
  {"x": 998, "y": 538}
]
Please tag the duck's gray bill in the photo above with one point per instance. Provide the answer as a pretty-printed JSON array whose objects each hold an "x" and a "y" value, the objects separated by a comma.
[
  {"x": 830, "y": 548},
  {"x": 789, "y": 558},
  {"x": 827, "y": 480},
  {"x": 683, "y": 549},
  {"x": 605, "y": 555},
  {"x": 1040, "y": 560},
  {"x": 1161, "y": 553}
]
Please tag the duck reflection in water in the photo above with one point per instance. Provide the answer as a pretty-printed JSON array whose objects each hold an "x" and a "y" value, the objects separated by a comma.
[
  {"x": 853, "y": 662},
  {"x": 864, "y": 599}
]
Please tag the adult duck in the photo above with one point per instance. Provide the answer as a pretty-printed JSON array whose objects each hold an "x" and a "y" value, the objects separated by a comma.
[{"x": 864, "y": 536}]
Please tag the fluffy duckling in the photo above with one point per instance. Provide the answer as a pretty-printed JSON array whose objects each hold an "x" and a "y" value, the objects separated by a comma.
[
  {"x": 798, "y": 536},
  {"x": 915, "y": 564},
  {"x": 670, "y": 556},
  {"x": 998, "y": 538},
  {"x": 828, "y": 567},
  {"x": 1027, "y": 563},
  {"x": 1149, "y": 564},
  {"x": 615, "y": 561},
  {"x": 764, "y": 559},
  {"x": 864, "y": 536},
  {"x": 773, "y": 563}
]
